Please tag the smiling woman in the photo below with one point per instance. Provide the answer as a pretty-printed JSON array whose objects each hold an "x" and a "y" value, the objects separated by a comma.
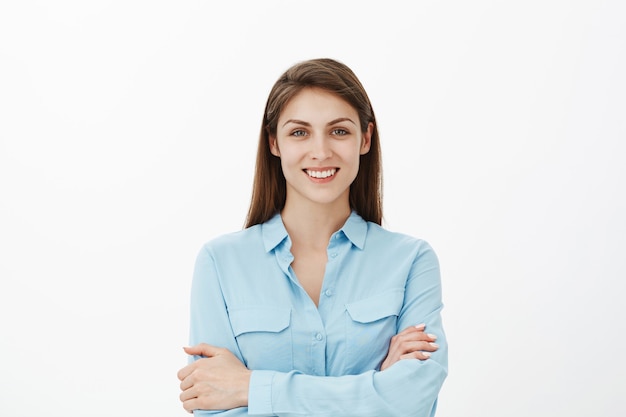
[
  {"x": 314, "y": 308},
  {"x": 319, "y": 152}
]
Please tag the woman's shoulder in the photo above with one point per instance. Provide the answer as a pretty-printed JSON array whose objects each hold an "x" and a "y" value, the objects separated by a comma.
[
  {"x": 235, "y": 241},
  {"x": 381, "y": 235}
]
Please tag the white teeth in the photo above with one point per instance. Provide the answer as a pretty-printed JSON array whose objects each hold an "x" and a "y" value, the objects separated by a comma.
[{"x": 321, "y": 174}]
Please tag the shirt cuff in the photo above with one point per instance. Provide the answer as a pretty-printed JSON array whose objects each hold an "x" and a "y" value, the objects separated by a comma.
[{"x": 260, "y": 393}]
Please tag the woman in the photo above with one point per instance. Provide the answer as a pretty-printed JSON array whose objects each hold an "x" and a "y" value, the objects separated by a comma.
[{"x": 314, "y": 309}]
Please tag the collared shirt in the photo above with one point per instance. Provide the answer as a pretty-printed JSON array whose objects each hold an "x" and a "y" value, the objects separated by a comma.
[{"x": 323, "y": 360}]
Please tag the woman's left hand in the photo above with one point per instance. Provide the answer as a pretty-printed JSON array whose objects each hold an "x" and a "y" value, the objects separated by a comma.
[
  {"x": 219, "y": 381},
  {"x": 411, "y": 343}
]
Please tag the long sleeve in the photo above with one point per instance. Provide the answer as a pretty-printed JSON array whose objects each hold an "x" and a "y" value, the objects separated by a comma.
[
  {"x": 408, "y": 388},
  {"x": 209, "y": 317},
  {"x": 309, "y": 360}
]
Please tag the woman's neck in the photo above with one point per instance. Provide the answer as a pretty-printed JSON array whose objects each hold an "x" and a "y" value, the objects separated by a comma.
[{"x": 313, "y": 225}]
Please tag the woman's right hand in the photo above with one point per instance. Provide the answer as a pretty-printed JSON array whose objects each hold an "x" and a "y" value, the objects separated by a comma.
[{"x": 410, "y": 343}]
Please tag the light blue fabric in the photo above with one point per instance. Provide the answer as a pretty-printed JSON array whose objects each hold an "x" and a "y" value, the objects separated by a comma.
[{"x": 310, "y": 361}]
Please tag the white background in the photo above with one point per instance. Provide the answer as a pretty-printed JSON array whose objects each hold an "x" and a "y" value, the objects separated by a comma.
[{"x": 128, "y": 134}]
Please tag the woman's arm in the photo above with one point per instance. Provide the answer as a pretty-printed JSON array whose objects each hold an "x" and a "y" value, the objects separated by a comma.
[
  {"x": 408, "y": 388},
  {"x": 219, "y": 379},
  {"x": 209, "y": 324},
  {"x": 410, "y": 343}
]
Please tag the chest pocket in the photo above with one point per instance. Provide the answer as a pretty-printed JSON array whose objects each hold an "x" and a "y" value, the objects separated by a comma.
[
  {"x": 371, "y": 323},
  {"x": 264, "y": 336}
]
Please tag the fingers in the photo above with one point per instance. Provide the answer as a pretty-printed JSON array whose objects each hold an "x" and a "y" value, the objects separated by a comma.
[
  {"x": 202, "y": 349},
  {"x": 191, "y": 404},
  {"x": 410, "y": 346},
  {"x": 185, "y": 372},
  {"x": 413, "y": 329},
  {"x": 412, "y": 334},
  {"x": 422, "y": 356},
  {"x": 187, "y": 381},
  {"x": 411, "y": 342},
  {"x": 188, "y": 394},
  {"x": 423, "y": 346},
  {"x": 418, "y": 331}
]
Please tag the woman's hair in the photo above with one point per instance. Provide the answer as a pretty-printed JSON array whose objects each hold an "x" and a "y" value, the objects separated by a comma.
[{"x": 269, "y": 190}]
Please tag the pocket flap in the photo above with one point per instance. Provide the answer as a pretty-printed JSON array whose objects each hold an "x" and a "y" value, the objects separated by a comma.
[
  {"x": 375, "y": 308},
  {"x": 259, "y": 319}
]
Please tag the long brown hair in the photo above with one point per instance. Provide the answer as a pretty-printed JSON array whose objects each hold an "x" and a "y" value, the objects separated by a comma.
[{"x": 269, "y": 191}]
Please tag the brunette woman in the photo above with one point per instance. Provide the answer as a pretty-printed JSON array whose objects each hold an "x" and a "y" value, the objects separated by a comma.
[{"x": 314, "y": 309}]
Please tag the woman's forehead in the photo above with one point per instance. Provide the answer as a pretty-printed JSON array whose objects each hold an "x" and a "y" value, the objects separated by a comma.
[{"x": 317, "y": 105}]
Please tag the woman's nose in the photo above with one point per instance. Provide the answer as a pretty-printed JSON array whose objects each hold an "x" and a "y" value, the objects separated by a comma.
[{"x": 320, "y": 148}]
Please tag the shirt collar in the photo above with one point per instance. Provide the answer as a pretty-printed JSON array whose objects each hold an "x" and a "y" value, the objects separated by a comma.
[
  {"x": 274, "y": 232},
  {"x": 355, "y": 229}
]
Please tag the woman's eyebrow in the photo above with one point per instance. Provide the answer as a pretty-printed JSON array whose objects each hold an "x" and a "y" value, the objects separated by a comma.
[
  {"x": 303, "y": 123},
  {"x": 341, "y": 119},
  {"x": 299, "y": 122}
]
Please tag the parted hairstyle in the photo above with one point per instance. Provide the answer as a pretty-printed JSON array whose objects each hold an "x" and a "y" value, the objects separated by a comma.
[{"x": 269, "y": 191}]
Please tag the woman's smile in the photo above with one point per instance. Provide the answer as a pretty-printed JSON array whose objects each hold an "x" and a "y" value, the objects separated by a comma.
[
  {"x": 321, "y": 175},
  {"x": 319, "y": 143}
]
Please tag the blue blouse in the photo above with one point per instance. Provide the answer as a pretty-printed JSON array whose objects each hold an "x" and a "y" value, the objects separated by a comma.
[{"x": 322, "y": 361}]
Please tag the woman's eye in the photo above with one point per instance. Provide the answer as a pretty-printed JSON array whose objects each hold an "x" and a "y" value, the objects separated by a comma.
[
  {"x": 298, "y": 133},
  {"x": 339, "y": 132}
]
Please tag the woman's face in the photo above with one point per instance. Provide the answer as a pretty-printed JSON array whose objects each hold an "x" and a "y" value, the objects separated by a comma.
[{"x": 319, "y": 142}]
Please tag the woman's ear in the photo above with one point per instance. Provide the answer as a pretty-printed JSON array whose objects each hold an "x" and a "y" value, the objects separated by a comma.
[
  {"x": 366, "y": 139},
  {"x": 274, "y": 146}
]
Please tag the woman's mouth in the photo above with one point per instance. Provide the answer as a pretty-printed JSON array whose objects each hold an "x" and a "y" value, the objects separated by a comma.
[{"x": 321, "y": 174}]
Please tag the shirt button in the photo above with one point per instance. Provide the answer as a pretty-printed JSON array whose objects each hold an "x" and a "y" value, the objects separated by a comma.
[
  {"x": 333, "y": 255},
  {"x": 319, "y": 336},
  {"x": 328, "y": 293}
]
